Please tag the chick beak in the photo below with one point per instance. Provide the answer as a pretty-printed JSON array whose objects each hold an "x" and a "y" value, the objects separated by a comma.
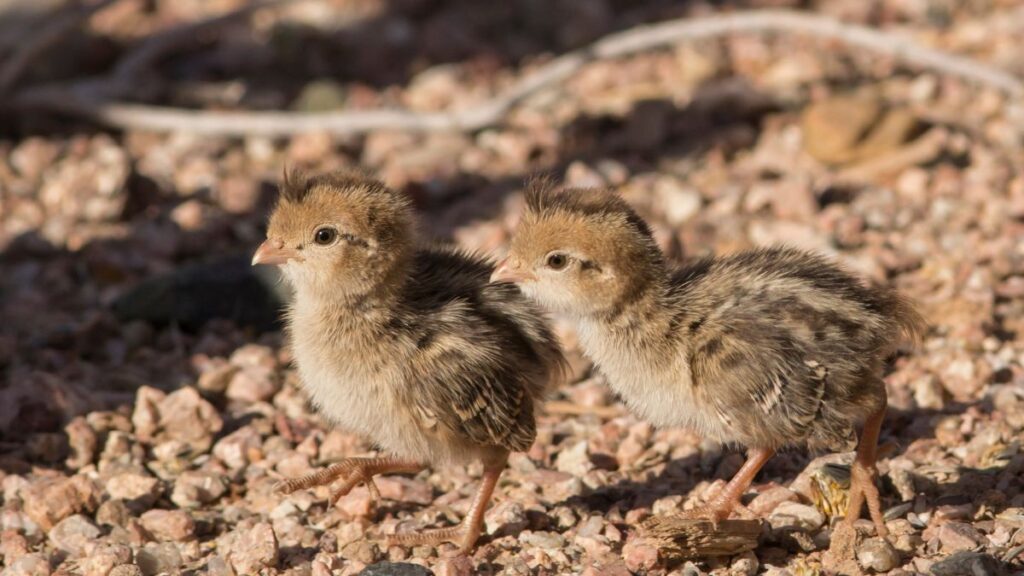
[
  {"x": 272, "y": 252},
  {"x": 507, "y": 272}
]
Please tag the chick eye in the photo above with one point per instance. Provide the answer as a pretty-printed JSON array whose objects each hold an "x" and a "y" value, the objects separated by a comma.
[
  {"x": 325, "y": 236},
  {"x": 557, "y": 261}
]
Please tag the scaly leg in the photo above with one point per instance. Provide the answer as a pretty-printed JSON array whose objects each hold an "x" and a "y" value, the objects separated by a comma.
[
  {"x": 466, "y": 533},
  {"x": 356, "y": 471},
  {"x": 863, "y": 475},
  {"x": 728, "y": 499}
]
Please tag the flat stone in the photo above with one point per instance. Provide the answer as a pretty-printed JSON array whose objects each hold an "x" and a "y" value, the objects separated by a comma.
[
  {"x": 967, "y": 564},
  {"x": 877, "y": 555},
  {"x": 137, "y": 491},
  {"x": 795, "y": 515},
  {"x": 255, "y": 549},
  {"x": 173, "y": 525},
  {"x": 195, "y": 488},
  {"x": 158, "y": 558},
  {"x": 958, "y": 537},
  {"x": 50, "y": 500},
  {"x": 73, "y": 533}
]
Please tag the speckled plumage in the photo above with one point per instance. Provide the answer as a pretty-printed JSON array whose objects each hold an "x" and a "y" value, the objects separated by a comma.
[
  {"x": 766, "y": 348},
  {"x": 412, "y": 348}
]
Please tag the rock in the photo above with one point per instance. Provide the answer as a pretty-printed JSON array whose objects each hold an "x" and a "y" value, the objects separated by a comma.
[
  {"x": 958, "y": 536},
  {"x": 796, "y": 516},
  {"x": 877, "y": 555},
  {"x": 102, "y": 560},
  {"x": 574, "y": 460},
  {"x": 186, "y": 417},
  {"x": 215, "y": 377},
  {"x": 113, "y": 513},
  {"x": 395, "y": 569},
  {"x": 217, "y": 566},
  {"x": 357, "y": 503},
  {"x": 82, "y": 441},
  {"x": 257, "y": 379},
  {"x": 678, "y": 201},
  {"x": 236, "y": 449},
  {"x": 769, "y": 499},
  {"x": 968, "y": 564},
  {"x": 173, "y": 525},
  {"x": 401, "y": 489},
  {"x": 29, "y": 565},
  {"x": 72, "y": 534},
  {"x": 458, "y": 566},
  {"x": 252, "y": 386},
  {"x": 137, "y": 491},
  {"x": 506, "y": 518},
  {"x": 254, "y": 549},
  {"x": 49, "y": 500},
  {"x": 361, "y": 550},
  {"x": 196, "y": 488},
  {"x": 146, "y": 416},
  {"x": 158, "y": 558},
  {"x": 640, "y": 556},
  {"x": 745, "y": 564},
  {"x": 126, "y": 570},
  {"x": 227, "y": 287},
  {"x": 544, "y": 540},
  {"x": 12, "y": 546}
]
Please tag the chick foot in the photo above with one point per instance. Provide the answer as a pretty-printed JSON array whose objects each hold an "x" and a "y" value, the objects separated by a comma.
[
  {"x": 355, "y": 471},
  {"x": 864, "y": 476},
  {"x": 727, "y": 500},
  {"x": 466, "y": 533}
]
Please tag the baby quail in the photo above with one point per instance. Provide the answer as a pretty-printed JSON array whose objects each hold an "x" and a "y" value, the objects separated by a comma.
[
  {"x": 766, "y": 348},
  {"x": 411, "y": 348}
]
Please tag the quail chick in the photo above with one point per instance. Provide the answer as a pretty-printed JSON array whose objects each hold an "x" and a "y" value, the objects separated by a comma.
[
  {"x": 767, "y": 348},
  {"x": 411, "y": 348}
]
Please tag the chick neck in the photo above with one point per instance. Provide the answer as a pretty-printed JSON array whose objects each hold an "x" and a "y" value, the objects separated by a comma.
[{"x": 640, "y": 304}]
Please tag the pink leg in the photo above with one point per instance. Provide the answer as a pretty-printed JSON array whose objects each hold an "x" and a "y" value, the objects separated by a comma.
[{"x": 863, "y": 475}]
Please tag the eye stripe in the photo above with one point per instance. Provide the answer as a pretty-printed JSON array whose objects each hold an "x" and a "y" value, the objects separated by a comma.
[{"x": 355, "y": 240}]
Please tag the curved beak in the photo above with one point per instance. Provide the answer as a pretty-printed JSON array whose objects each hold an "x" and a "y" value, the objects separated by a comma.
[
  {"x": 507, "y": 271},
  {"x": 273, "y": 252}
]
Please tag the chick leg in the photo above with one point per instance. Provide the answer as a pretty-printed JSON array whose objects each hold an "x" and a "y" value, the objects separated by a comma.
[
  {"x": 467, "y": 532},
  {"x": 863, "y": 475},
  {"x": 728, "y": 499},
  {"x": 356, "y": 471}
]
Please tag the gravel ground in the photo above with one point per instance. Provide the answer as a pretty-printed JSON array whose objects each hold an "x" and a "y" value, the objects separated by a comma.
[{"x": 148, "y": 404}]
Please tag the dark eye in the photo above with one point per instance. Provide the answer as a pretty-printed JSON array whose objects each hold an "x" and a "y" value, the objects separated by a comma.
[
  {"x": 325, "y": 236},
  {"x": 557, "y": 261}
]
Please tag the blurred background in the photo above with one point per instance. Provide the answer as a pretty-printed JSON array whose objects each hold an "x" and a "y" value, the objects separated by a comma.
[{"x": 136, "y": 342}]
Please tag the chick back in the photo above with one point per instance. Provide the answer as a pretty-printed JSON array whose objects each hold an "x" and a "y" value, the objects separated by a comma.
[{"x": 785, "y": 347}]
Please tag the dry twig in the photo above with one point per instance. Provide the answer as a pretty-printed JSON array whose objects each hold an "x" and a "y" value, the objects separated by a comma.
[
  {"x": 242, "y": 123},
  {"x": 679, "y": 538},
  {"x": 924, "y": 149}
]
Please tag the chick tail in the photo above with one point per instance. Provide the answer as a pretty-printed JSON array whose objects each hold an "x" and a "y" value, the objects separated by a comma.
[{"x": 909, "y": 320}]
